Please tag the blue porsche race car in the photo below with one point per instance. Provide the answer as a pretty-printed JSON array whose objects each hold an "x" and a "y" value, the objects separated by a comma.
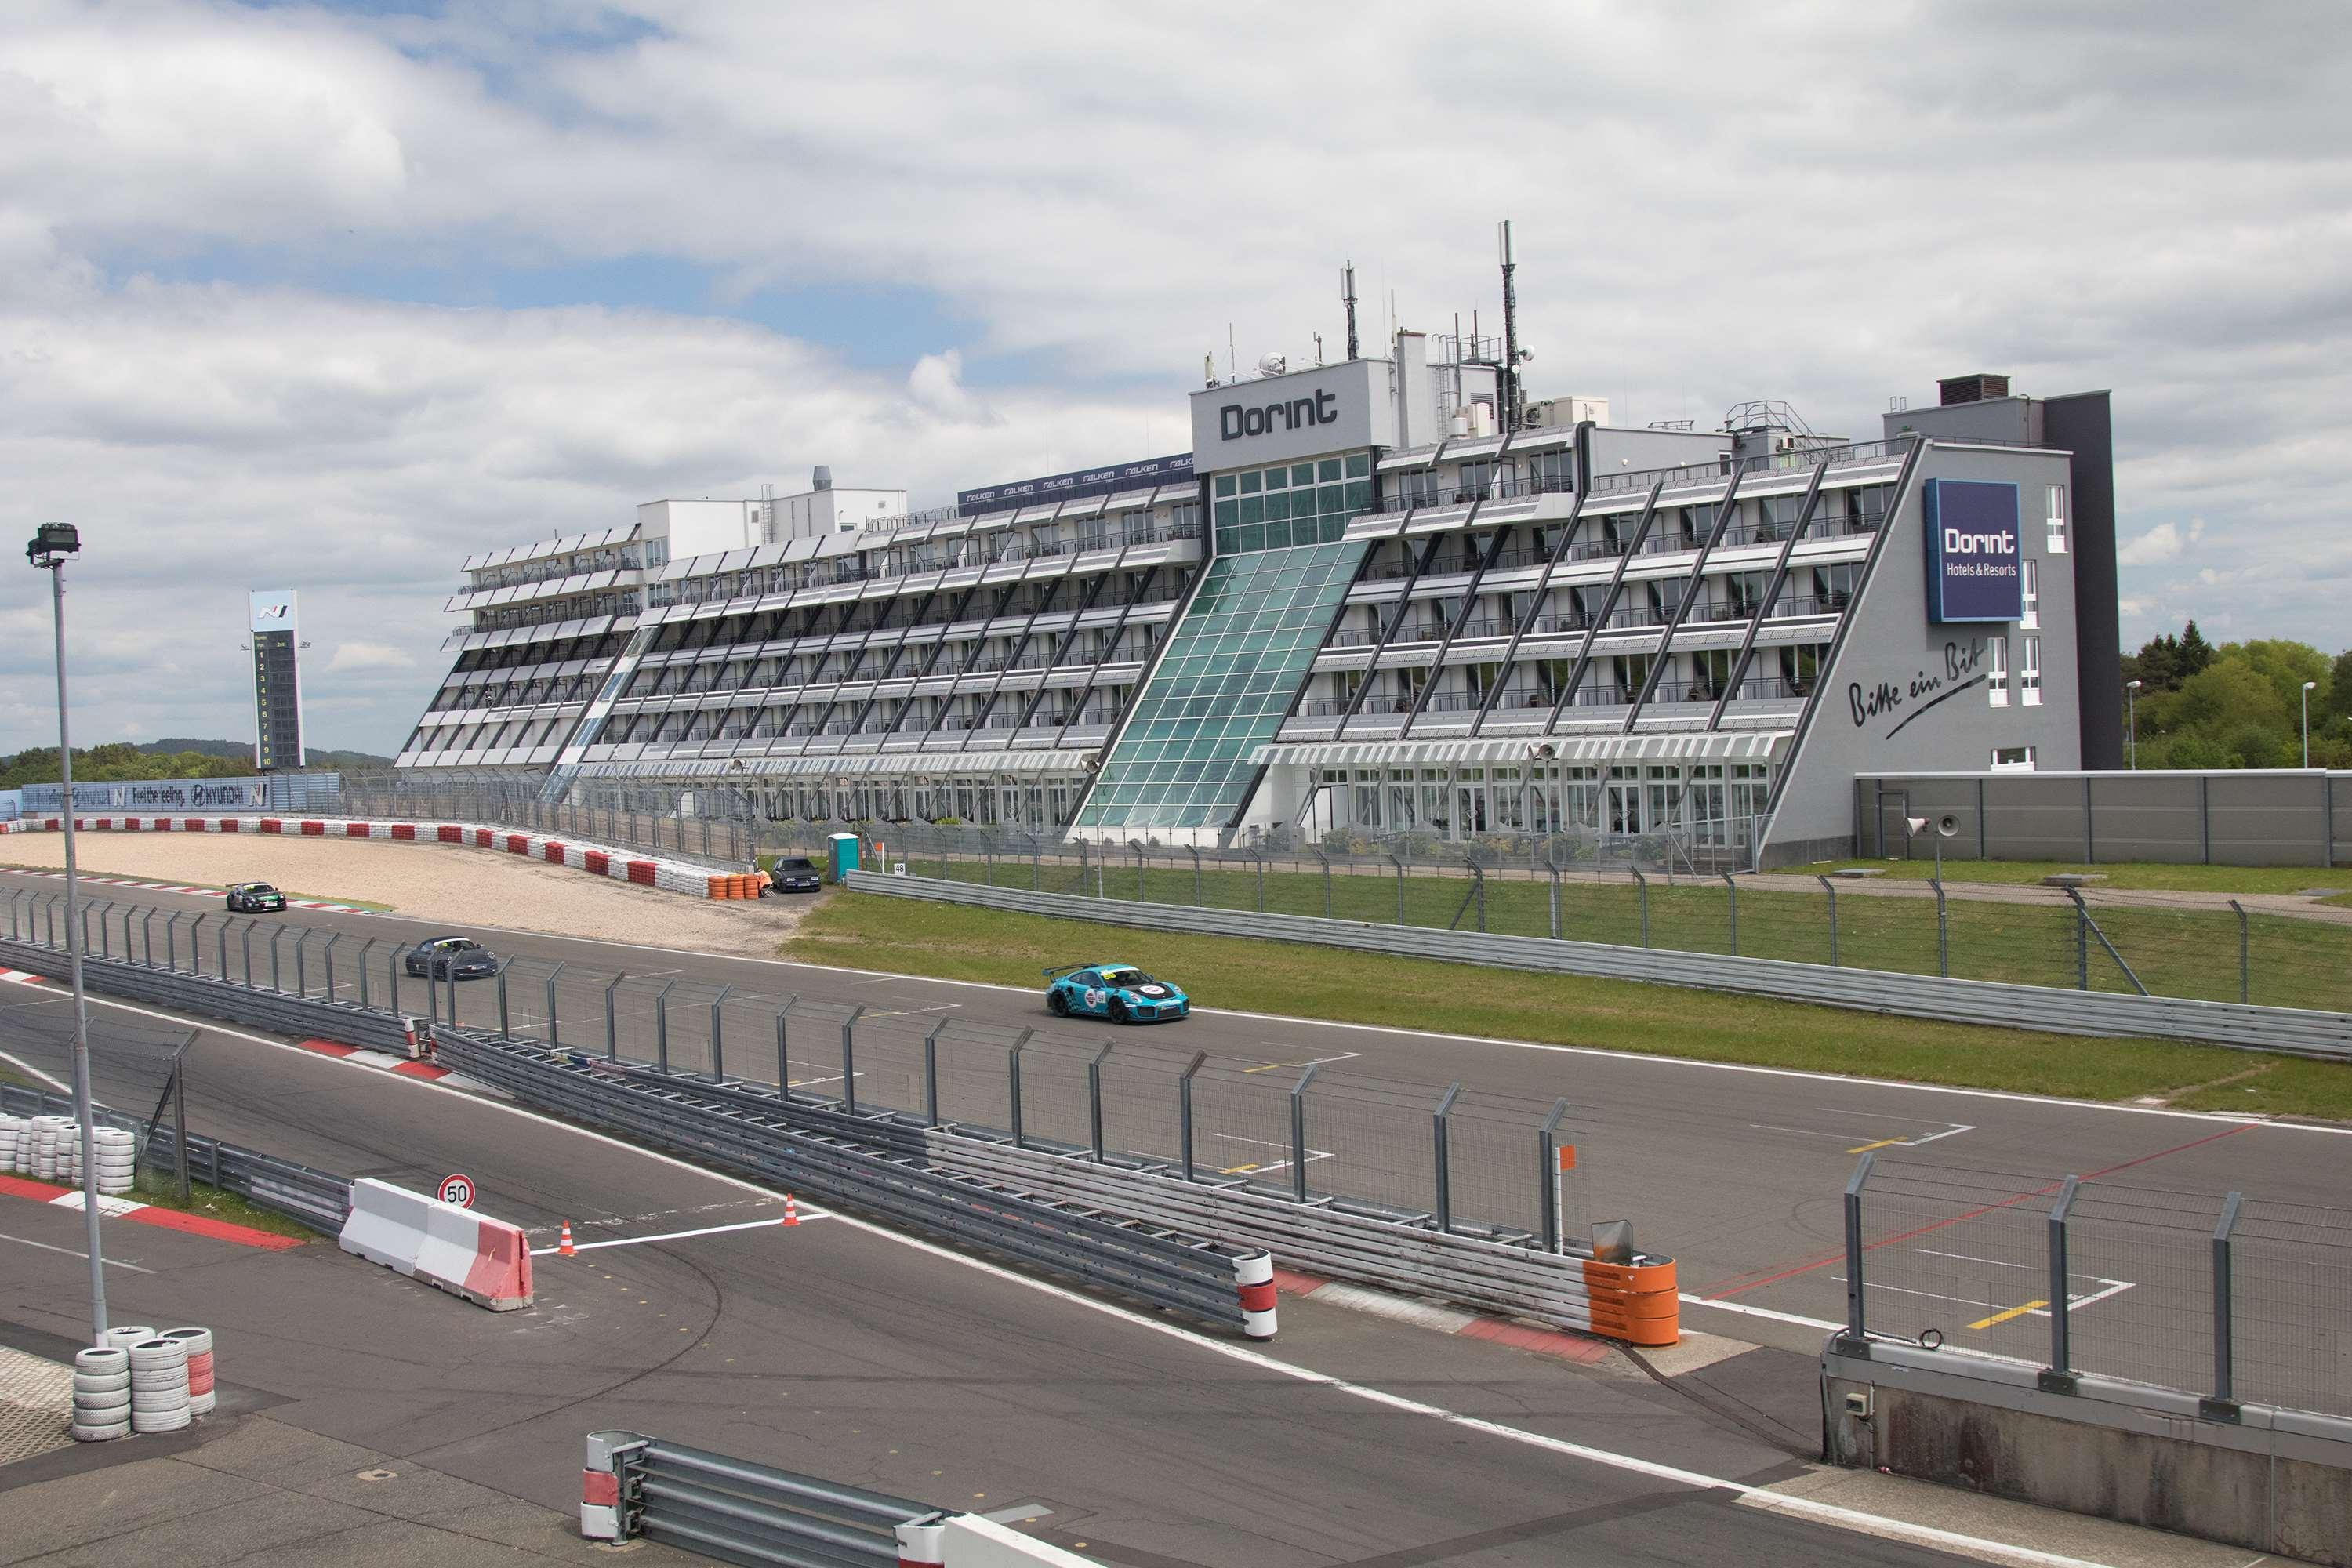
[{"x": 1119, "y": 992}]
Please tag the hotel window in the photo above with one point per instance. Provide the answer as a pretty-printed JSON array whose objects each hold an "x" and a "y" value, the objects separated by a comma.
[
  {"x": 1292, "y": 503},
  {"x": 2012, "y": 759},
  {"x": 1996, "y": 672},
  {"x": 2056, "y": 497},
  {"x": 2029, "y": 674},
  {"x": 2030, "y": 616}
]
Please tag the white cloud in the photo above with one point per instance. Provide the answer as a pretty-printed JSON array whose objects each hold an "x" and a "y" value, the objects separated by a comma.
[
  {"x": 2163, "y": 542},
  {"x": 1831, "y": 212},
  {"x": 353, "y": 656}
]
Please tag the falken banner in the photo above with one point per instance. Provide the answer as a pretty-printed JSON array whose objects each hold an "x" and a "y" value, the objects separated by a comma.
[{"x": 1975, "y": 569}]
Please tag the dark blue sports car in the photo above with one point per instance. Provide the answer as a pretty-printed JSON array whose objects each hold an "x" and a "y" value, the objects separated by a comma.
[{"x": 1119, "y": 992}]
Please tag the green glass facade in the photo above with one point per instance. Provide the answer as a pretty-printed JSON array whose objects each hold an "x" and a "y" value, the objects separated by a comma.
[
  {"x": 1224, "y": 682},
  {"x": 1290, "y": 503}
]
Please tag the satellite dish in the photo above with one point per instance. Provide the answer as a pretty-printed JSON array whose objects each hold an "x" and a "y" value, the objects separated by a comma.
[{"x": 1273, "y": 364}]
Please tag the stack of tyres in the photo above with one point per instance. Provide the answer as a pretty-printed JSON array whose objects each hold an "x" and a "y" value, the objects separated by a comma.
[
  {"x": 48, "y": 1135},
  {"x": 102, "y": 1394},
  {"x": 12, "y": 1144},
  {"x": 159, "y": 1385},
  {"x": 118, "y": 1161},
  {"x": 198, "y": 1342}
]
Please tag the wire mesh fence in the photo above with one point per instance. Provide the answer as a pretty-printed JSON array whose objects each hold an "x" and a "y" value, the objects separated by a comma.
[
  {"x": 2083, "y": 939},
  {"x": 1295, "y": 1129},
  {"x": 2231, "y": 1298}
]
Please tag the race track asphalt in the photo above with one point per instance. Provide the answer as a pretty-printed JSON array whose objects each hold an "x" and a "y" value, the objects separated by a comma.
[{"x": 836, "y": 1349}]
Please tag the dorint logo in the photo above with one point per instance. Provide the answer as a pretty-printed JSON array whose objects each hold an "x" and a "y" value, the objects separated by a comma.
[{"x": 1236, "y": 420}]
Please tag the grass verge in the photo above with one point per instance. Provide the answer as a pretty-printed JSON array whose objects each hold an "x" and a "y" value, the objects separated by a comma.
[
  {"x": 2135, "y": 874},
  {"x": 960, "y": 944},
  {"x": 158, "y": 1190}
]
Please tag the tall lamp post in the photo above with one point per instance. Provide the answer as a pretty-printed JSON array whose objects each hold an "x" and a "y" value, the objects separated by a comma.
[
  {"x": 2308, "y": 687},
  {"x": 51, "y": 543},
  {"x": 2132, "y": 688}
]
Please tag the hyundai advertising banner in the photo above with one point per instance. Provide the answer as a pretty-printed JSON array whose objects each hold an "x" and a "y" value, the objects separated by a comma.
[{"x": 1975, "y": 566}]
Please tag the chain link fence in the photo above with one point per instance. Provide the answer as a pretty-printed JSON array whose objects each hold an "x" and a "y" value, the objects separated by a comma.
[{"x": 2229, "y": 1297}]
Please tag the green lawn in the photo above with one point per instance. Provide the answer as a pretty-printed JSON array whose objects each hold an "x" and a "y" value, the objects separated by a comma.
[
  {"x": 2137, "y": 874},
  {"x": 2289, "y": 963},
  {"x": 962, "y": 943},
  {"x": 159, "y": 1190}
]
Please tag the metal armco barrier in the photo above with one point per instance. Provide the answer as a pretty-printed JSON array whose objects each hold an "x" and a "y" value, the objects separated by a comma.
[
  {"x": 2293, "y": 1031},
  {"x": 1635, "y": 1300},
  {"x": 317, "y": 1198},
  {"x": 870, "y": 1162},
  {"x": 633, "y": 1486},
  {"x": 209, "y": 997}
]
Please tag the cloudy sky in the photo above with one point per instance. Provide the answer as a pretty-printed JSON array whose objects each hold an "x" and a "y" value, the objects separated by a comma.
[{"x": 323, "y": 297}]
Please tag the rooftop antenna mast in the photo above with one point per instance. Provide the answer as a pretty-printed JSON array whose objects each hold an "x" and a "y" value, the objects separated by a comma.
[
  {"x": 1510, "y": 388},
  {"x": 1347, "y": 298}
]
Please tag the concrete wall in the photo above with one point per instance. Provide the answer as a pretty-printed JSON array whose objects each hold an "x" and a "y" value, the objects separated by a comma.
[
  {"x": 2266, "y": 1479},
  {"x": 2227, "y": 817}
]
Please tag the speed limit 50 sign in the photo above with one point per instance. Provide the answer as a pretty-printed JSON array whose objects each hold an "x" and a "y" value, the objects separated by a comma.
[{"x": 458, "y": 1188}]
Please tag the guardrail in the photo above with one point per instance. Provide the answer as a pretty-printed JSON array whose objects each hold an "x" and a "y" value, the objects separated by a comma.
[
  {"x": 870, "y": 1162},
  {"x": 2292, "y": 1031},
  {"x": 714, "y": 1505},
  {"x": 318, "y": 1199}
]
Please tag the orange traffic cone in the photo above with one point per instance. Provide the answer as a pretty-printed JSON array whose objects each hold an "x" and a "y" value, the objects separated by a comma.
[
  {"x": 563, "y": 1247},
  {"x": 792, "y": 1210}
]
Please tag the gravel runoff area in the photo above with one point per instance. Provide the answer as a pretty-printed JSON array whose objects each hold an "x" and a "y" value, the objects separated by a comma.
[{"x": 432, "y": 882}]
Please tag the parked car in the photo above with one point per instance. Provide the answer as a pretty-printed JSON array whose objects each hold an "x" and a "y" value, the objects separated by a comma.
[
  {"x": 795, "y": 874},
  {"x": 254, "y": 898},
  {"x": 450, "y": 958},
  {"x": 1119, "y": 992}
]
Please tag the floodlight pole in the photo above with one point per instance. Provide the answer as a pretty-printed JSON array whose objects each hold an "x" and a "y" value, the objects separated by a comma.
[{"x": 48, "y": 552}]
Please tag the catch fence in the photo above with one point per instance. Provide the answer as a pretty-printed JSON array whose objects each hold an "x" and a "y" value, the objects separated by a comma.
[
  {"x": 2238, "y": 1299},
  {"x": 1452, "y": 1157}
]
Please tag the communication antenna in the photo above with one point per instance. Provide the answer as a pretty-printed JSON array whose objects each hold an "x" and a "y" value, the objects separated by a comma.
[
  {"x": 1318, "y": 348},
  {"x": 1209, "y": 367},
  {"x": 1232, "y": 360},
  {"x": 1347, "y": 298},
  {"x": 1510, "y": 327}
]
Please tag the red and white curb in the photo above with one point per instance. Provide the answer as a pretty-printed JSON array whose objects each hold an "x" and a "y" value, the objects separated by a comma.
[
  {"x": 1582, "y": 1348},
  {"x": 147, "y": 1213}
]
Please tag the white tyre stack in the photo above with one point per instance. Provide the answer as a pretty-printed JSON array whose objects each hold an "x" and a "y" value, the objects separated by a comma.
[
  {"x": 46, "y": 1137},
  {"x": 198, "y": 1342},
  {"x": 130, "y": 1334},
  {"x": 159, "y": 1385},
  {"x": 102, "y": 1394},
  {"x": 118, "y": 1161},
  {"x": 12, "y": 1143}
]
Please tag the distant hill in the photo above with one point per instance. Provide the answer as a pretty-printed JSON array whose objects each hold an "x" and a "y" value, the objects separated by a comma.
[{"x": 318, "y": 757}]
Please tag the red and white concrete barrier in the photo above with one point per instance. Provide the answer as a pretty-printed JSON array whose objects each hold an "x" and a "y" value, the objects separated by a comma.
[
  {"x": 1253, "y": 1280},
  {"x": 485, "y": 1261},
  {"x": 597, "y": 860}
]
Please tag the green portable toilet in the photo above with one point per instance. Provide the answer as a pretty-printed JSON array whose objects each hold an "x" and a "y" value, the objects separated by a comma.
[{"x": 842, "y": 854}]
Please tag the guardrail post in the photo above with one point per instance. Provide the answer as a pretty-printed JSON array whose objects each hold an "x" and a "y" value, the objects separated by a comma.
[
  {"x": 2245, "y": 952},
  {"x": 553, "y": 1040},
  {"x": 172, "y": 945},
  {"x": 1094, "y": 1100},
  {"x": 1082, "y": 869},
  {"x": 1444, "y": 1156},
  {"x": 180, "y": 1114},
  {"x": 1298, "y": 1132},
  {"x": 2081, "y": 947},
  {"x": 2223, "y": 1403},
  {"x": 2059, "y": 1376},
  {"x": 1553, "y": 870},
  {"x": 612, "y": 1034},
  {"x": 1399, "y": 864},
  {"x": 661, "y": 1023},
  {"x": 1036, "y": 864},
  {"x": 1546, "y": 1162},
  {"x": 1943, "y": 929},
  {"x": 1644, "y": 884},
  {"x": 1478, "y": 881},
  {"x": 1013, "y": 1081},
  {"x": 717, "y": 1045},
  {"x": 432, "y": 993},
  {"x": 505, "y": 1030},
  {"x": 362, "y": 966},
  {"x": 103, "y": 950},
  {"x": 302, "y": 965},
  {"x": 275, "y": 984},
  {"x": 223, "y": 955},
  {"x": 849, "y": 1058},
  {"x": 147, "y": 936},
  {"x": 1731, "y": 911},
  {"x": 784, "y": 1052},
  {"x": 391, "y": 961},
  {"x": 1830, "y": 888},
  {"x": 1184, "y": 1109},
  {"x": 1857, "y": 1327},
  {"x": 931, "y": 1074},
  {"x": 1139, "y": 870},
  {"x": 1326, "y": 881}
]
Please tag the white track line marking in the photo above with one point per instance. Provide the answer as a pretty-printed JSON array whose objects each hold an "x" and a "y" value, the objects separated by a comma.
[
  {"x": 69, "y": 1252},
  {"x": 1828, "y": 1513},
  {"x": 678, "y": 1234},
  {"x": 21, "y": 1064}
]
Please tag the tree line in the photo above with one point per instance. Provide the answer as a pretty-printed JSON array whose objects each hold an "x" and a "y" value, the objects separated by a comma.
[
  {"x": 2239, "y": 705},
  {"x": 118, "y": 761}
]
